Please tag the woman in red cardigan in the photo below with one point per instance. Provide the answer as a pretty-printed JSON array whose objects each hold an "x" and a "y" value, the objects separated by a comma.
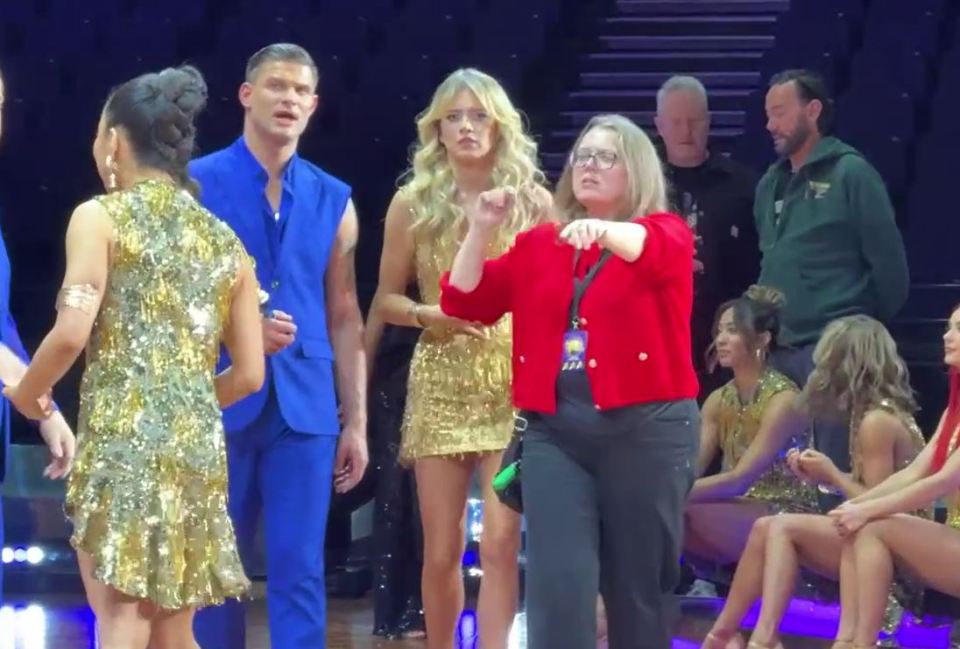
[{"x": 604, "y": 382}]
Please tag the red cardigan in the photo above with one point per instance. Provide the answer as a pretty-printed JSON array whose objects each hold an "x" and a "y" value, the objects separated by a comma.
[{"x": 637, "y": 315}]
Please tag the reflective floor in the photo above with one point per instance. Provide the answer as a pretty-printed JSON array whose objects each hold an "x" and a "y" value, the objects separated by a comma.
[
  {"x": 64, "y": 622},
  {"x": 37, "y": 554}
]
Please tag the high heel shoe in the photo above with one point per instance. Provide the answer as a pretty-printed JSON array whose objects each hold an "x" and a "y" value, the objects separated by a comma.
[{"x": 716, "y": 639}]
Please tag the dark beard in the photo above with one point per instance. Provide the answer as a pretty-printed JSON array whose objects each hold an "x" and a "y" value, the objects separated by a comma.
[{"x": 796, "y": 140}]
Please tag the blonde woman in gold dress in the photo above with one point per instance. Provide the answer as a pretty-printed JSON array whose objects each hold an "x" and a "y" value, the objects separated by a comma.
[
  {"x": 752, "y": 422},
  {"x": 857, "y": 371},
  {"x": 458, "y": 416},
  {"x": 154, "y": 283},
  {"x": 881, "y": 542}
]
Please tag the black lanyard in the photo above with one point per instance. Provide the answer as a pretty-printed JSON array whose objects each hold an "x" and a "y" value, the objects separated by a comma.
[{"x": 580, "y": 285}]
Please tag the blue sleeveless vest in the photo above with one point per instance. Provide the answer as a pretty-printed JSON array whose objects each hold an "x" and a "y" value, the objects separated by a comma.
[{"x": 291, "y": 256}]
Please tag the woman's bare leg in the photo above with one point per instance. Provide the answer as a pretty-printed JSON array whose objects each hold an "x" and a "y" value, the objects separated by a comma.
[
  {"x": 746, "y": 587},
  {"x": 123, "y": 622},
  {"x": 499, "y": 550},
  {"x": 922, "y": 546},
  {"x": 173, "y": 630},
  {"x": 442, "y": 486},
  {"x": 848, "y": 598},
  {"x": 718, "y": 531},
  {"x": 793, "y": 539}
]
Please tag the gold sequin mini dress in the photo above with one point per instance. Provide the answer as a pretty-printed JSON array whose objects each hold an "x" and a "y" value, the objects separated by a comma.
[
  {"x": 458, "y": 395},
  {"x": 147, "y": 496},
  {"x": 738, "y": 424},
  {"x": 953, "y": 501}
]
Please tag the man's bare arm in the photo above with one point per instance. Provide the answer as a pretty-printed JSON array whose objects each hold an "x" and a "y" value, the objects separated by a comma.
[{"x": 346, "y": 324}]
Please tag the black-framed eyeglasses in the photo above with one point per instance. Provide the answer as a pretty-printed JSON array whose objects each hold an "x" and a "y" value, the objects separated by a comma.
[{"x": 600, "y": 159}]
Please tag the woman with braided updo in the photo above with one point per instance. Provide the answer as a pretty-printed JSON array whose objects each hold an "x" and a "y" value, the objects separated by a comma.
[
  {"x": 154, "y": 284},
  {"x": 751, "y": 422}
]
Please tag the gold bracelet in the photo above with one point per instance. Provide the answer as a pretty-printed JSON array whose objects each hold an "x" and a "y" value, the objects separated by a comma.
[{"x": 83, "y": 297}]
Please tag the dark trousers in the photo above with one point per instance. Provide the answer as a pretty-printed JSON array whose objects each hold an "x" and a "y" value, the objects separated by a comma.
[
  {"x": 830, "y": 437},
  {"x": 604, "y": 508},
  {"x": 1, "y": 541}
]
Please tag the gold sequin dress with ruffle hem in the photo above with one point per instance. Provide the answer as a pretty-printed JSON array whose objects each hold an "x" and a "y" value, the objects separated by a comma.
[
  {"x": 458, "y": 395},
  {"x": 738, "y": 425},
  {"x": 147, "y": 496}
]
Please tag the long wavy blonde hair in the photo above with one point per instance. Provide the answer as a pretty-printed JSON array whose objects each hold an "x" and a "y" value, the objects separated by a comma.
[
  {"x": 429, "y": 183},
  {"x": 646, "y": 185},
  {"x": 856, "y": 367}
]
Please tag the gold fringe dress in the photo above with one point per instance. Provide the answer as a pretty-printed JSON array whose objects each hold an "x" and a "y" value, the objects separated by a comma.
[{"x": 458, "y": 397}]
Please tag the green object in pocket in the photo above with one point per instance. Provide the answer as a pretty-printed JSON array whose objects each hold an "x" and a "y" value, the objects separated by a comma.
[
  {"x": 505, "y": 477},
  {"x": 507, "y": 483}
]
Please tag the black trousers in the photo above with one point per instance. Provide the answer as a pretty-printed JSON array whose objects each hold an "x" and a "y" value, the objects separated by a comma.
[{"x": 604, "y": 498}]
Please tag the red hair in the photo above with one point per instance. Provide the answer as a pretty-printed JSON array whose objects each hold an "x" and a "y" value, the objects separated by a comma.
[{"x": 950, "y": 422}]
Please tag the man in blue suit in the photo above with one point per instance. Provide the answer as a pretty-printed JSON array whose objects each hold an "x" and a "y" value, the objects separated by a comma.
[
  {"x": 55, "y": 430},
  {"x": 285, "y": 450}
]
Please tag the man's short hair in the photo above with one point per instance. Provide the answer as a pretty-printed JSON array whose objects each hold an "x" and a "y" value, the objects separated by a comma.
[
  {"x": 810, "y": 85},
  {"x": 681, "y": 83},
  {"x": 287, "y": 52}
]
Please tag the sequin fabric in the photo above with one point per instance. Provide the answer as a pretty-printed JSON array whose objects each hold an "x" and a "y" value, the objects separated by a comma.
[
  {"x": 916, "y": 442},
  {"x": 458, "y": 398},
  {"x": 908, "y": 587},
  {"x": 953, "y": 502},
  {"x": 738, "y": 424},
  {"x": 906, "y": 593},
  {"x": 147, "y": 496},
  {"x": 397, "y": 557}
]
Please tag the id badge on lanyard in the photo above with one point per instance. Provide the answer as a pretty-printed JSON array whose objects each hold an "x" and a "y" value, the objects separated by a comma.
[
  {"x": 575, "y": 339},
  {"x": 574, "y": 349}
]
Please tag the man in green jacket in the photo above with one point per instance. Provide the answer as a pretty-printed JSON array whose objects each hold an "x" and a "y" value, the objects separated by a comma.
[{"x": 828, "y": 237}]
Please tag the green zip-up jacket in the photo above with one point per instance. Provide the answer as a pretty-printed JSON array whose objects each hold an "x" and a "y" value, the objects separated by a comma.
[{"x": 829, "y": 241}]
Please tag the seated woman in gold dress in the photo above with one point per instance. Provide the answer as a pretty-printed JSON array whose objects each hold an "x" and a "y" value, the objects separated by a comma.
[
  {"x": 752, "y": 422},
  {"x": 881, "y": 541},
  {"x": 857, "y": 371}
]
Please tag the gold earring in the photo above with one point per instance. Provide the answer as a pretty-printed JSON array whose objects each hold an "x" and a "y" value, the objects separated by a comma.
[{"x": 112, "y": 179}]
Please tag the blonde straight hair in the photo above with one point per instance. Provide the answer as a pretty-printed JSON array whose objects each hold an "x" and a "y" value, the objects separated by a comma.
[{"x": 646, "y": 186}]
